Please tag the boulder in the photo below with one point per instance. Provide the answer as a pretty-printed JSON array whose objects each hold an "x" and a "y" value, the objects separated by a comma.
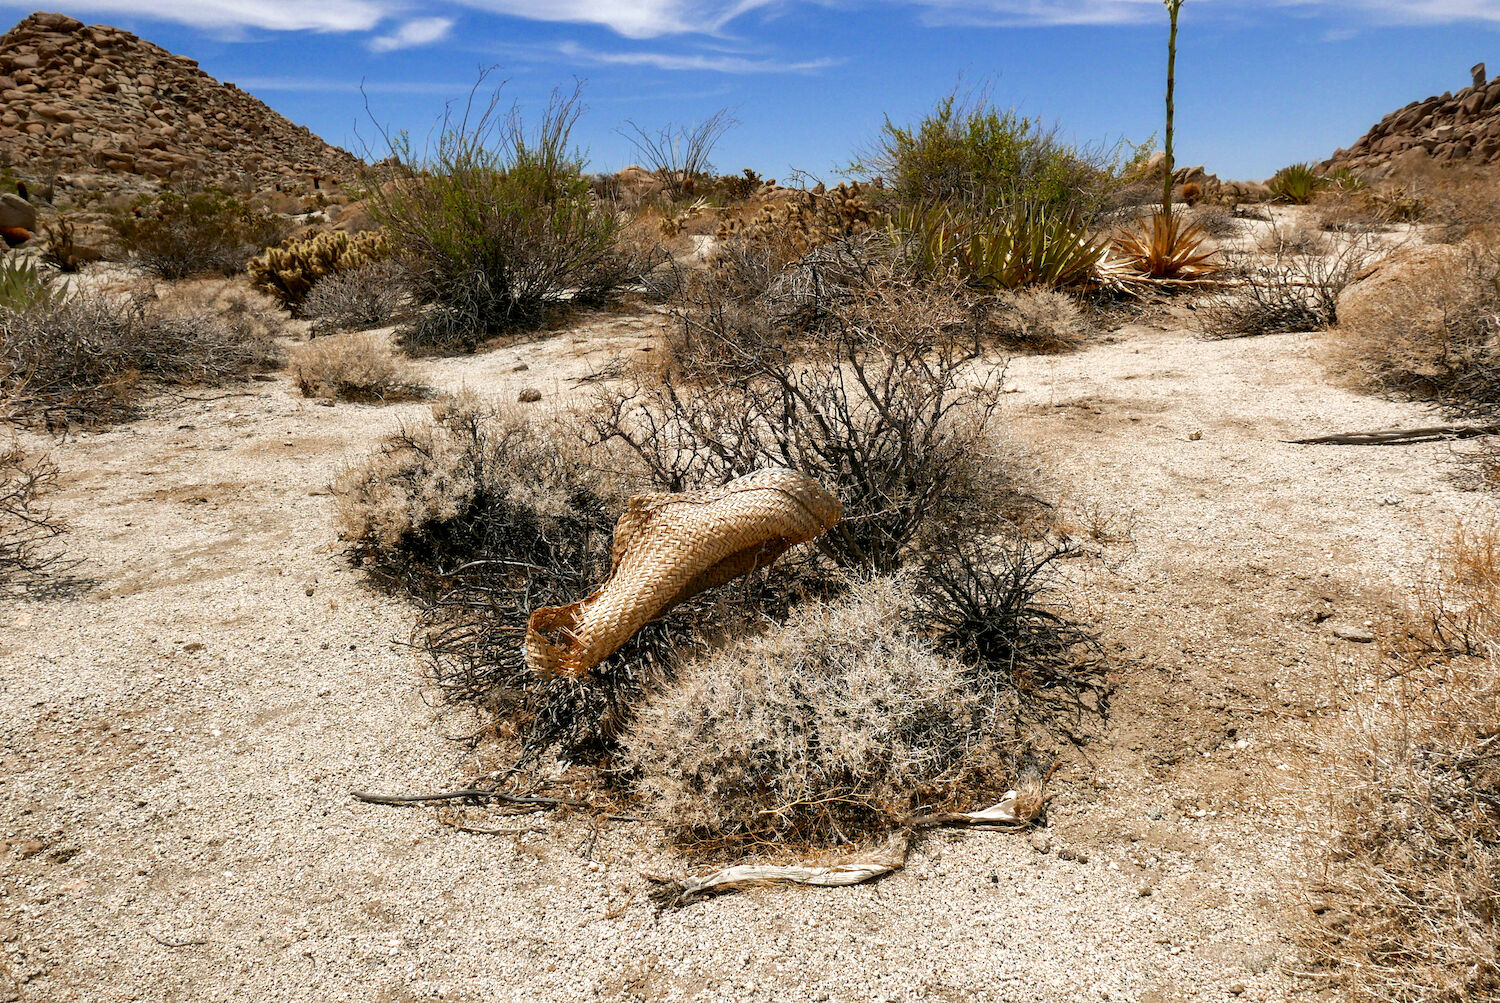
[
  {"x": 17, "y": 212},
  {"x": 1380, "y": 285},
  {"x": 1479, "y": 74}
]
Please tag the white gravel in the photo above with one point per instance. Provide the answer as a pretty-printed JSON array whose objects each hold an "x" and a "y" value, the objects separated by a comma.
[{"x": 179, "y": 743}]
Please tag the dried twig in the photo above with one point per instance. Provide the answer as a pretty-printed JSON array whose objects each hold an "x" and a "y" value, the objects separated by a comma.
[{"x": 1401, "y": 436}]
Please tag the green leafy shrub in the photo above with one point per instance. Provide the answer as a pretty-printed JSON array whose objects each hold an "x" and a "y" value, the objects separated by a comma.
[
  {"x": 498, "y": 224},
  {"x": 178, "y": 233},
  {"x": 1024, "y": 244},
  {"x": 290, "y": 270},
  {"x": 1297, "y": 184},
  {"x": 974, "y": 155}
]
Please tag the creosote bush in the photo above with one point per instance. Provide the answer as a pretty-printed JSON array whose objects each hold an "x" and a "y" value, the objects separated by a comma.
[
  {"x": 92, "y": 356},
  {"x": 498, "y": 224},
  {"x": 358, "y": 366},
  {"x": 180, "y": 232}
]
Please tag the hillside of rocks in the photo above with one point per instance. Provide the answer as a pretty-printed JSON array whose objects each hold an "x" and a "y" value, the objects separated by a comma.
[
  {"x": 105, "y": 111},
  {"x": 1462, "y": 128}
]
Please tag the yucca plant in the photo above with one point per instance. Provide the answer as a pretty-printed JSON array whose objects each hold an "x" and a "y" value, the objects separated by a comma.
[
  {"x": 1024, "y": 244},
  {"x": 1297, "y": 184},
  {"x": 1166, "y": 247},
  {"x": 1346, "y": 180},
  {"x": 24, "y": 286}
]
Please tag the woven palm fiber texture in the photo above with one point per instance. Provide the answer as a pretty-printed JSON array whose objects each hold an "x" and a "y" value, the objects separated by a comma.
[{"x": 670, "y": 547}]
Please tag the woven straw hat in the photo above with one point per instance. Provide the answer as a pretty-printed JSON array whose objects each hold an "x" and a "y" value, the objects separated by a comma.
[{"x": 670, "y": 547}]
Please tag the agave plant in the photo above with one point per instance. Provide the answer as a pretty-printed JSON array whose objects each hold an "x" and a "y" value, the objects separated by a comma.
[
  {"x": 1346, "y": 180},
  {"x": 1297, "y": 184},
  {"x": 24, "y": 286},
  {"x": 1024, "y": 244},
  {"x": 1166, "y": 247}
]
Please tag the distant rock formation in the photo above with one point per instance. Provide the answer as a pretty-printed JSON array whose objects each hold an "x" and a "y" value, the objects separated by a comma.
[
  {"x": 1453, "y": 128},
  {"x": 109, "y": 112}
]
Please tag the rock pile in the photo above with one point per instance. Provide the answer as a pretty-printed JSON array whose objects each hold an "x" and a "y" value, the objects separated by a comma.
[
  {"x": 1461, "y": 128},
  {"x": 108, "y": 111}
]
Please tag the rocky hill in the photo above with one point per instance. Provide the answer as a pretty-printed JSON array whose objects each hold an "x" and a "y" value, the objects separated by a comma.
[
  {"x": 103, "y": 110},
  {"x": 1453, "y": 128}
]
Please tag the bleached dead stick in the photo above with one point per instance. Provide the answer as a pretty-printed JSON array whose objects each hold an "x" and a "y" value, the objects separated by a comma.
[{"x": 674, "y": 892}]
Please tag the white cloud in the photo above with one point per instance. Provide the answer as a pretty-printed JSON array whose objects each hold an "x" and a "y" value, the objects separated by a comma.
[
  {"x": 631, "y": 18},
  {"x": 692, "y": 61},
  {"x": 274, "y": 15},
  {"x": 421, "y": 31},
  {"x": 1002, "y": 13}
]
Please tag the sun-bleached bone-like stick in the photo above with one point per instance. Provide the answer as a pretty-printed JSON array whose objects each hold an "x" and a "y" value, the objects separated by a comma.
[{"x": 670, "y": 547}]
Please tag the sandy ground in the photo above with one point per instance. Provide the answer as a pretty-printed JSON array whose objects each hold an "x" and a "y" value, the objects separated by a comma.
[{"x": 178, "y": 745}]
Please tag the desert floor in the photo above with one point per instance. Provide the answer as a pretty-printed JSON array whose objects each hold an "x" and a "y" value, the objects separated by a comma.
[{"x": 178, "y": 745}]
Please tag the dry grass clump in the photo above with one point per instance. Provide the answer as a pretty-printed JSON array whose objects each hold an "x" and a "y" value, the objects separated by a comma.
[
  {"x": 835, "y": 726},
  {"x": 1406, "y": 890},
  {"x": 358, "y": 366},
  {"x": 91, "y": 357},
  {"x": 369, "y": 296},
  {"x": 1041, "y": 320},
  {"x": 29, "y": 562},
  {"x": 1437, "y": 340}
]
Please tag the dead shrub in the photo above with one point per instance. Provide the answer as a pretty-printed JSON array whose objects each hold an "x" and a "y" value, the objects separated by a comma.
[
  {"x": 1438, "y": 341},
  {"x": 358, "y": 366},
  {"x": 30, "y": 563},
  {"x": 1404, "y": 890},
  {"x": 92, "y": 357},
  {"x": 369, "y": 296},
  {"x": 834, "y": 727},
  {"x": 481, "y": 515},
  {"x": 882, "y": 405},
  {"x": 1294, "y": 291}
]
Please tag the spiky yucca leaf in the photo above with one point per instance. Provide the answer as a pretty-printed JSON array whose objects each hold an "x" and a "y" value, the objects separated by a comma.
[
  {"x": 1297, "y": 184},
  {"x": 1024, "y": 244},
  {"x": 1164, "y": 247},
  {"x": 24, "y": 286}
]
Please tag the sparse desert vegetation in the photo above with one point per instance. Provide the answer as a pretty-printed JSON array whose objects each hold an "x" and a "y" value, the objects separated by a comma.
[{"x": 1131, "y": 654}]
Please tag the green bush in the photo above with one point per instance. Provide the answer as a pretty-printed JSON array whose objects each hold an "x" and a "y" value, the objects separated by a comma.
[
  {"x": 178, "y": 233},
  {"x": 498, "y": 224},
  {"x": 1025, "y": 244},
  {"x": 1297, "y": 184},
  {"x": 976, "y": 156}
]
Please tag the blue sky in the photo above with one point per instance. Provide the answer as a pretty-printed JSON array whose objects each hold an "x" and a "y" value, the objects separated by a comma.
[{"x": 1261, "y": 83}]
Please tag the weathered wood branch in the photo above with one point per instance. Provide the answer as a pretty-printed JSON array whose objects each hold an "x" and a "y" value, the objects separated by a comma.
[{"x": 1401, "y": 436}]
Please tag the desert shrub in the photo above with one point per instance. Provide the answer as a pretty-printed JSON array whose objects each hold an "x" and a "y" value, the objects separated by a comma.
[
  {"x": 289, "y": 270},
  {"x": 179, "y": 232},
  {"x": 1297, "y": 184},
  {"x": 880, "y": 404},
  {"x": 1437, "y": 340},
  {"x": 1407, "y": 874},
  {"x": 835, "y": 726},
  {"x": 1040, "y": 320},
  {"x": 1217, "y": 221},
  {"x": 1292, "y": 292},
  {"x": 973, "y": 155},
  {"x": 1026, "y": 243},
  {"x": 26, "y": 286},
  {"x": 358, "y": 366},
  {"x": 29, "y": 561},
  {"x": 92, "y": 356},
  {"x": 1345, "y": 180},
  {"x": 677, "y": 155},
  {"x": 61, "y": 249},
  {"x": 370, "y": 295},
  {"x": 481, "y": 515},
  {"x": 498, "y": 224}
]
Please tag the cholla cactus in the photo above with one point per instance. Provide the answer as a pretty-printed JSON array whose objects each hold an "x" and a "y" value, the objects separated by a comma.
[
  {"x": 289, "y": 271},
  {"x": 809, "y": 218}
]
